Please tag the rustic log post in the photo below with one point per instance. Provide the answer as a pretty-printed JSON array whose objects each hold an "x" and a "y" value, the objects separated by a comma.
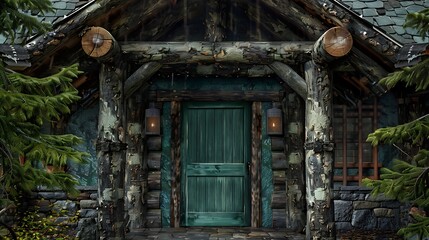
[
  {"x": 135, "y": 170},
  {"x": 99, "y": 44},
  {"x": 334, "y": 43},
  {"x": 293, "y": 109}
]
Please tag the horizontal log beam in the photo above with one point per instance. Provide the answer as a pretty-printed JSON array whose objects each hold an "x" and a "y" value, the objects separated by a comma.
[
  {"x": 188, "y": 95},
  {"x": 219, "y": 52}
]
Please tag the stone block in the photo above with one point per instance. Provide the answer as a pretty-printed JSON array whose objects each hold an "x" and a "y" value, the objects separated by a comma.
[
  {"x": 87, "y": 229},
  {"x": 388, "y": 224},
  {"x": 343, "y": 210},
  {"x": 93, "y": 196},
  {"x": 88, "y": 213},
  {"x": 365, "y": 205},
  {"x": 52, "y": 195},
  {"x": 383, "y": 212},
  {"x": 364, "y": 219},
  {"x": 343, "y": 226},
  {"x": 66, "y": 206},
  {"x": 390, "y": 204},
  {"x": 88, "y": 204},
  {"x": 43, "y": 205}
]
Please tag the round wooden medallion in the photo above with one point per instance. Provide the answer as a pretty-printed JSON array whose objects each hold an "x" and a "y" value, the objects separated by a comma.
[
  {"x": 97, "y": 42},
  {"x": 337, "y": 41}
]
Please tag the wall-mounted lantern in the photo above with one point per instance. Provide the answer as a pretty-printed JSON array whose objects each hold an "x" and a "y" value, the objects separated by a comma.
[
  {"x": 274, "y": 121},
  {"x": 152, "y": 120}
]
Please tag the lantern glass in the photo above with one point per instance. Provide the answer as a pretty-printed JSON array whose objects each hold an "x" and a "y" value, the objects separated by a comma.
[
  {"x": 274, "y": 121},
  {"x": 152, "y": 122}
]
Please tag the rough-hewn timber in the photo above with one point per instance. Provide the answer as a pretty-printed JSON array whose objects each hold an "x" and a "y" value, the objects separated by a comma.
[
  {"x": 214, "y": 19},
  {"x": 255, "y": 165},
  {"x": 207, "y": 52},
  {"x": 210, "y": 96},
  {"x": 289, "y": 76},
  {"x": 135, "y": 173},
  {"x": 140, "y": 78},
  {"x": 293, "y": 110},
  {"x": 176, "y": 165},
  {"x": 111, "y": 153}
]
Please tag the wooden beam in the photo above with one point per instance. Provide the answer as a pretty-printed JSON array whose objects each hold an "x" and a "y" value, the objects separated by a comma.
[
  {"x": 291, "y": 78},
  {"x": 111, "y": 150},
  {"x": 189, "y": 95},
  {"x": 220, "y": 52},
  {"x": 364, "y": 33},
  {"x": 255, "y": 165},
  {"x": 214, "y": 15},
  {"x": 140, "y": 78}
]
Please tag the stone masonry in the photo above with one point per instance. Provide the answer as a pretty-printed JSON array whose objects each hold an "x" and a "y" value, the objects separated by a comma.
[{"x": 355, "y": 208}]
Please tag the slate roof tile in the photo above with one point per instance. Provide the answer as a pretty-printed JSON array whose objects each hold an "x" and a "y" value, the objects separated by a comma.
[
  {"x": 401, "y": 11},
  {"x": 369, "y": 12},
  {"x": 399, "y": 30},
  {"x": 60, "y": 5},
  {"x": 376, "y": 4},
  {"x": 406, "y": 3},
  {"x": 384, "y": 21},
  {"x": 359, "y": 5},
  {"x": 415, "y": 8}
]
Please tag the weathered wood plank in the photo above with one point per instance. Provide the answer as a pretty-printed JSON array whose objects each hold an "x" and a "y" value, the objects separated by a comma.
[
  {"x": 279, "y": 177},
  {"x": 279, "y": 161},
  {"x": 152, "y": 198},
  {"x": 154, "y": 161},
  {"x": 279, "y": 218},
  {"x": 153, "y": 143},
  {"x": 176, "y": 164},
  {"x": 154, "y": 180},
  {"x": 277, "y": 144},
  {"x": 210, "y": 96},
  {"x": 153, "y": 218},
  {"x": 294, "y": 109},
  {"x": 255, "y": 164},
  {"x": 278, "y": 200},
  {"x": 207, "y": 52}
]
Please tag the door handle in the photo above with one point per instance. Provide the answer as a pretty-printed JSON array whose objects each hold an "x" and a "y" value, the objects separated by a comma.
[{"x": 249, "y": 167}]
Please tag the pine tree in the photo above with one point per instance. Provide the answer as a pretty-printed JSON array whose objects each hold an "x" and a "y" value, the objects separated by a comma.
[
  {"x": 29, "y": 104},
  {"x": 408, "y": 181}
]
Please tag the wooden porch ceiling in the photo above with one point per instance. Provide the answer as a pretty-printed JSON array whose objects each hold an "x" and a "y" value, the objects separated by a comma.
[{"x": 372, "y": 55}]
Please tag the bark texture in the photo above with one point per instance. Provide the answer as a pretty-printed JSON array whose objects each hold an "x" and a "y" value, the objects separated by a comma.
[
  {"x": 111, "y": 153},
  {"x": 320, "y": 222},
  {"x": 219, "y": 52}
]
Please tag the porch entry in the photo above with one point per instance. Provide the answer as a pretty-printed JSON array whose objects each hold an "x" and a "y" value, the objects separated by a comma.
[{"x": 215, "y": 155}]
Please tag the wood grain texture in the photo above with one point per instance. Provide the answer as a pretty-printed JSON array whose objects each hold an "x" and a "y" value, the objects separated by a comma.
[{"x": 255, "y": 164}]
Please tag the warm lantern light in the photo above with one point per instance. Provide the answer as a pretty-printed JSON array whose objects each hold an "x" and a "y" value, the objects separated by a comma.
[
  {"x": 153, "y": 123},
  {"x": 274, "y": 121}
]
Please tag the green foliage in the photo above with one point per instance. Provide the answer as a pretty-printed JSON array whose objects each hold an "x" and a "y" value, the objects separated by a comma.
[
  {"x": 408, "y": 181},
  {"x": 419, "y": 21},
  {"x": 27, "y": 105},
  {"x": 15, "y": 20},
  {"x": 415, "y": 132},
  {"x": 34, "y": 225},
  {"x": 412, "y": 76}
]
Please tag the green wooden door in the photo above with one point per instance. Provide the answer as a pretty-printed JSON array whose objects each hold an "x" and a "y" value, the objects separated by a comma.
[{"x": 215, "y": 155}]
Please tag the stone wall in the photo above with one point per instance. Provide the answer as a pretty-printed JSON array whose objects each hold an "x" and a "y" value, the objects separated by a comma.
[
  {"x": 356, "y": 209},
  {"x": 79, "y": 212}
]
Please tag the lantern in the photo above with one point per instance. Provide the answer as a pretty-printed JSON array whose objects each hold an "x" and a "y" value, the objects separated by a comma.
[
  {"x": 152, "y": 120},
  {"x": 274, "y": 121}
]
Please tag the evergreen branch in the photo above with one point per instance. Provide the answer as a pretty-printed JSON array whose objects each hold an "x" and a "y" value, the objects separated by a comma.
[
  {"x": 415, "y": 131},
  {"x": 411, "y": 76},
  {"x": 419, "y": 21}
]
